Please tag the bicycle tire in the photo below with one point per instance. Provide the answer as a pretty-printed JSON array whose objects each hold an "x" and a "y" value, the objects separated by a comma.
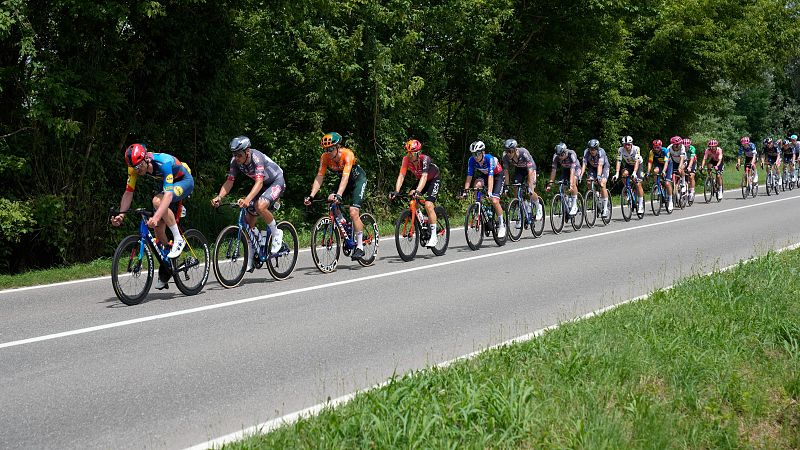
[
  {"x": 655, "y": 199},
  {"x": 127, "y": 248},
  {"x": 406, "y": 235},
  {"x": 442, "y": 232},
  {"x": 190, "y": 268},
  {"x": 371, "y": 239},
  {"x": 626, "y": 204},
  {"x": 537, "y": 227},
  {"x": 234, "y": 245},
  {"x": 708, "y": 189},
  {"x": 326, "y": 245},
  {"x": 281, "y": 266},
  {"x": 590, "y": 203},
  {"x": 473, "y": 224},
  {"x": 745, "y": 190},
  {"x": 580, "y": 215},
  {"x": 516, "y": 219},
  {"x": 557, "y": 214}
]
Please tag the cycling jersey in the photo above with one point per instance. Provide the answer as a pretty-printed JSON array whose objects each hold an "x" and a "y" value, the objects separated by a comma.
[
  {"x": 659, "y": 155},
  {"x": 522, "y": 158},
  {"x": 676, "y": 152},
  {"x": 630, "y": 157},
  {"x": 749, "y": 151},
  {"x": 771, "y": 152},
  {"x": 260, "y": 167},
  {"x": 691, "y": 157},
  {"x": 343, "y": 166},
  {"x": 424, "y": 165},
  {"x": 489, "y": 166},
  {"x": 570, "y": 162},
  {"x": 788, "y": 152},
  {"x": 168, "y": 167},
  {"x": 598, "y": 160}
]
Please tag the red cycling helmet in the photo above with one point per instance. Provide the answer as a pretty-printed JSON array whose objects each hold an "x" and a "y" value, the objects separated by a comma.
[
  {"x": 713, "y": 143},
  {"x": 745, "y": 140},
  {"x": 675, "y": 140},
  {"x": 135, "y": 154},
  {"x": 413, "y": 146},
  {"x": 658, "y": 143},
  {"x": 687, "y": 141}
]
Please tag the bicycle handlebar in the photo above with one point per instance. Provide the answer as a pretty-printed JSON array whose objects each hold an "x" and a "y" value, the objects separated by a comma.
[{"x": 143, "y": 211}]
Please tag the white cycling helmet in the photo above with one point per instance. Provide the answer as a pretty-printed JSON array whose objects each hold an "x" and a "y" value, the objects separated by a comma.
[
  {"x": 627, "y": 140},
  {"x": 477, "y": 146}
]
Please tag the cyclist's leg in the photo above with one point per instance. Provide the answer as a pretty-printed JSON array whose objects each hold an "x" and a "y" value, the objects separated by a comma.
[
  {"x": 431, "y": 193},
  {"x": 357, "y": 188},
  {"x": 667, "y": 178},
  {"x": 266, "y": 198},
  {"x": 497, "y": 189}
]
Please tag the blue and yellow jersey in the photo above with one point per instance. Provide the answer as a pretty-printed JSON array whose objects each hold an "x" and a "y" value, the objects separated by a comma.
[
  {"x": 659, "y": 155},
  {"x": 165, "y": 166}
]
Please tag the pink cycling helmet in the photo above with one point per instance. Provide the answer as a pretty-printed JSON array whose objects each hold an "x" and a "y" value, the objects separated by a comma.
[
  {"x": 745, "y": 140},
  {"x": 675, "y": 140}
]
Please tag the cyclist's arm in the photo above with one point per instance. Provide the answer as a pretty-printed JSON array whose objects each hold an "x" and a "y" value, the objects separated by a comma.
[
  {"x": 467, "y": 183},
  {"x": 162, "y": 208},
  {"x": 125, "y": 202},
  {"x": 422, "y": 181},
  {"x": 226, "y": 187},
  {"x": 316, "y": 185},
  {"x": 254, "y": 191},
  {"x": 400, "y": 178},
  {"x": 490, "y": 182},
  {"x": 343, "y": 184}
]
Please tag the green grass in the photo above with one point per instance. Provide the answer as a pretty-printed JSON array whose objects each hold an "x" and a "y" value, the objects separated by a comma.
[
  {"x": 96, "y": 268},
  {"x": 712, "y": 363}
]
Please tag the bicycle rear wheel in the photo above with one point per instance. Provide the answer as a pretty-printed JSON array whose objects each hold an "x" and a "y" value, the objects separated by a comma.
[
  {"x": 231, "y": 252},
  {"x": 473, "y": 227},
  {"x": 516, "y": 218},
  {"x": 190, "y": 269},
  {"x": 442, "y": 231},
  {"x": 577, "y": 219},
  {"x": 591, "y": 212},
  {"x": 132, "y": 275},
  {"x": 371, "y": 237},
  {"x": 708, "y": 190},
  {"x": 280, "y": 265},
  {"x": 406, "y": 236},
  {"x": 537, "y": 226},
  {"x": 325, "y": 245}
]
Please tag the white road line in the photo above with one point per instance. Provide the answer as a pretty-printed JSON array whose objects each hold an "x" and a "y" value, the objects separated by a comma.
[
  {"x": 289, "y": 419},
  {"x": 368, "y": 278}
]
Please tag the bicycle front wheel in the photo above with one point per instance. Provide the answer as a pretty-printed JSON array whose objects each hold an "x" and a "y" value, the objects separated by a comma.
[
  {"x": 280, "y": 265},
  {"x": 592, "y": 211},
  {"x": 231, "y": 252},
  {"x": 754, "y": 190},
  {"x": 190, "y": 269},
  {"x": 442, "y": 231},
  {"x": 626, "y": 204},
  {"x": 406, "y": 236},
  {"x": 370, "y": 239},
  {"x": 132, "y": 270},
  {"x": 516, "y": 218},
  {"x": 325, "y": 245},
  {"x": 708, "y": 189},
  {"x": 473, "y": 226},
  {"x": 655, "y": 200},
  {"x": 557, "y": 214}
]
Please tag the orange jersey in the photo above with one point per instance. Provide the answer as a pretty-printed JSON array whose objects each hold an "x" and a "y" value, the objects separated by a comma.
[{"x": 344, "y": 164}]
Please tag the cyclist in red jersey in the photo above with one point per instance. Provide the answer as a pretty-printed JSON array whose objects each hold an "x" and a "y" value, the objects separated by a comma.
[{"x": 427, "y": 173}]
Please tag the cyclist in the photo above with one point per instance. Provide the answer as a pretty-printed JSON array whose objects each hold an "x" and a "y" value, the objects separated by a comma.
[
  {"x": 713, "y": 157},
  {"x": 663, "y": 164},
  {"x": 748, "y": 150},
  {"x": 353, "y": 182},
  {"x": 570, "y": 173},
  {"x": 691, "y": 164},
  {"x": 427, "y": 173},
  {"x": 524, "y": 170},
  {"x": 677, "y": 154},
  {"x": 176, "y": 184},
  {"x": 491, "y": 175},
  {"x": 596, "y": 159},
  {"x": 771, "y": 154},
  {"x": 631, "y": 154},
  {"x": 269, "y": 186},
  {"x": 789, "y": 156}
]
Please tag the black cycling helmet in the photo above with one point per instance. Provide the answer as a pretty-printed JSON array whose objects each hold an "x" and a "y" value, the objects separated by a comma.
[{"x": 240, "y": 144}]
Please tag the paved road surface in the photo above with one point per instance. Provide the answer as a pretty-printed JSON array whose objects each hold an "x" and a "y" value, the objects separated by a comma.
[{"x": 185, "y": 370}]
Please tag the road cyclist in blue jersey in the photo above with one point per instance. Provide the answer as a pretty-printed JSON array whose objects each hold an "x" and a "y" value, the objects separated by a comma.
[
  {"x": 524, "y": 168},
  {"x": 487, "y": 172},
  {"x": 660, "y": 162},
  {"x": 268, "y": 187},
  {"x": 177, "y": 183},
  {"x": 789, "y": 156},
  {"x": 597, "y": 166},
  {"x": 631, "y": 155},
  {"x": 570, "y": 166},
  {"x": 771, "y": 155},
  {"x": 748, "y": 152}
]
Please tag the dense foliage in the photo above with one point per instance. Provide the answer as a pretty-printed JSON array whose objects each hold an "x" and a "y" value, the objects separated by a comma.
[{"x": 80, "y": 80}]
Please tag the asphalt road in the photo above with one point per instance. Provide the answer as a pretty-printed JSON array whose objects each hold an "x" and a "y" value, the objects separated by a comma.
[{"x": 78, "y": 369}]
